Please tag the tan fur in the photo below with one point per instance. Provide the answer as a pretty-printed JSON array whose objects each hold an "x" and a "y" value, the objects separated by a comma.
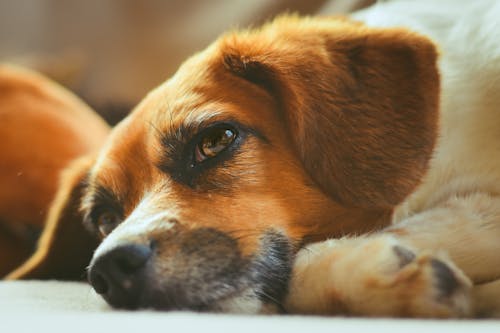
[{"x": 367, "y": 278}]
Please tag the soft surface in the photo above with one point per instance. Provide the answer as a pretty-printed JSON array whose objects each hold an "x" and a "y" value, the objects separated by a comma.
[{"x": 73, "y": 307}]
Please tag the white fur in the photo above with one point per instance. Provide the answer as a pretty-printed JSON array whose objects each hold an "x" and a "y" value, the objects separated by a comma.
[
  {"x": 456, "y": 209},
  {"x": 467, "y": 158},
  {"x": 467, "y": 33}
]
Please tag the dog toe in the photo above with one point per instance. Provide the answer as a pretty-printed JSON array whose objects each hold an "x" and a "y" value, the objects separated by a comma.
[
  {"x": 446, "y": 281},
  {"x": 405, "y": 255}
]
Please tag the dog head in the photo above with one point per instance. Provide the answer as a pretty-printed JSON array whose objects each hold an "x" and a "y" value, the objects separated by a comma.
[{"x": 269, "y": 139}]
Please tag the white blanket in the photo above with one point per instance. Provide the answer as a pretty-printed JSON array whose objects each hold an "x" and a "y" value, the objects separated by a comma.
[{"x": 52, "y": 306}]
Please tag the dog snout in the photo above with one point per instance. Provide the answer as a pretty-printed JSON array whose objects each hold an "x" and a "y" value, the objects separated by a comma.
[{"x": 118, "y": 275}]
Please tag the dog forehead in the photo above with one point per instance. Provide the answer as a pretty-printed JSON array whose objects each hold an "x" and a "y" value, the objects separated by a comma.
[
  {"x": 203, "y": 86},
  {"x": 187, "y": 89}
]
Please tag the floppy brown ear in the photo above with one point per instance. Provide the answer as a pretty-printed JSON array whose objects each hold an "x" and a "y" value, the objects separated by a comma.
[
  {"x": 65, "y": 247},
  {"x": 361, "y": 103}
]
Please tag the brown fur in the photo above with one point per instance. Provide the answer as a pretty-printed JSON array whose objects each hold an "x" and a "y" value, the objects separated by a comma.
[{"x": 42, "y": 128}]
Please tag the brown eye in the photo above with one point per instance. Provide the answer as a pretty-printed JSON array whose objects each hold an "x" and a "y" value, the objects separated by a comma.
[
  {"x": 214, "y": 142},
  {"x": 106, "y": 222}
]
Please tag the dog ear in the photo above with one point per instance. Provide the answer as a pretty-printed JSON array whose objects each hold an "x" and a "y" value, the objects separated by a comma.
[
  {"x": 65, "y": 247},
  {"x": 361, "y": 103}
]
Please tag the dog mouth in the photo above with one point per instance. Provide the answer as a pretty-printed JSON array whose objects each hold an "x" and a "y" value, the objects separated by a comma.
[{"x": 202, "y": 270}]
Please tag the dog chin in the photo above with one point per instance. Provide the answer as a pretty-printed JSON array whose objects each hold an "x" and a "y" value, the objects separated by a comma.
[{"x": 247, "y": 303}]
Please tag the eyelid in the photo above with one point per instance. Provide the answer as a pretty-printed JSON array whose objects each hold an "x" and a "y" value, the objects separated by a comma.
[
  {"x": 98, "y": 210},
  {"x": 90, "y": 219}
]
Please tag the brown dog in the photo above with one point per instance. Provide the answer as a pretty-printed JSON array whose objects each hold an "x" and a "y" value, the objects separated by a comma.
[
  {"x": 303, "y": 130},
  {"x": 42, "y": 128}
]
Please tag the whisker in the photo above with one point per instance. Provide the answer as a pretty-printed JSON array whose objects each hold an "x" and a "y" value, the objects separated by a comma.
[{"x": 271, "y": 298}]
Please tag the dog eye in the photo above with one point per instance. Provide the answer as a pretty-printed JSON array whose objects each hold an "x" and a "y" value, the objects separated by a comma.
[
  {"x": 106, "y": 222},
  {"x": 213, "y": 143}
]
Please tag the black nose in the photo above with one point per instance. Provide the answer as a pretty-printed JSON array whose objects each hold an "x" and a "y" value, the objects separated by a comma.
[{"x": 119, "y": 274}]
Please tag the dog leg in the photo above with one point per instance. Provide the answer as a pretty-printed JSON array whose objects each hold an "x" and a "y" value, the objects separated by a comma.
[
  {"x": 376, "y": 276},
  {"x": 414, "y": 268},
  {"x": 486, "y": 298}
]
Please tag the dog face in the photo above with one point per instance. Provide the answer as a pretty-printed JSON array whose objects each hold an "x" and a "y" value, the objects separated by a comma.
[
  {"x": 269, "y": 139},
  {"x": 203, "y": 174}
]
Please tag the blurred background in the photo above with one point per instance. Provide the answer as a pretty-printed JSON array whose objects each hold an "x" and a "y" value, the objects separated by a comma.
[{"x": 112, "y": 52}]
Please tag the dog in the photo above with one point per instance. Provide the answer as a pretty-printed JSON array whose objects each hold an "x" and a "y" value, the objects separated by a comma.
[
  {"x": 314, "y": 165},
  {"x": 40, "y": 133}
]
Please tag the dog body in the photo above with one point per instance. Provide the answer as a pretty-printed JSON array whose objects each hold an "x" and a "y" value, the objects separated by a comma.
[
  {"x": 456, "y": 209},
  {"x": 304, "y": 130},
  {"x": 464, "y": 176},
  {"x": 40, "y": 133},
  {"x": 466, "y": 158}
]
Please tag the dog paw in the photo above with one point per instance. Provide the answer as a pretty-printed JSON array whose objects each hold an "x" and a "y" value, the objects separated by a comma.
[{"x": 376, "y": 276}]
